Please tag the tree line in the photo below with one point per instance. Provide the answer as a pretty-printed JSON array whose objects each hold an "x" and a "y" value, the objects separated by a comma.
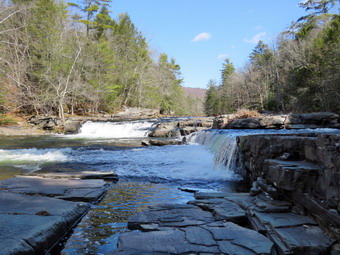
[
  {"x": 58, "y": 58},
  {"x": 300, "y": 72}
]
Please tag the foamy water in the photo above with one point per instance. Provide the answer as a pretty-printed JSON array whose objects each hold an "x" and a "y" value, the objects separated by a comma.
[
  {"x": 128, "y": 129},
  {"x": 33, "y": 155}
]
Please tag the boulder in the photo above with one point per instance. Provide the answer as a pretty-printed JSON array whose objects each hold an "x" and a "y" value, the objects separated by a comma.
[
  {"x": 46, "y": 123},
  {"x": 188, "y": 130},
  {"x": 72, "y": 126},
  {"x": 312, "y": 120},
  {"x": 166, "y": 129},
  {"x": 274, "y": 122},
  {"x": 246, "y": 123}
]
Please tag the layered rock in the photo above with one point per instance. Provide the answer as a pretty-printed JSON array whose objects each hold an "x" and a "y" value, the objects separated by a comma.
[
  {"x": 179, "y": 128},
  {"x": 303, "y": 169},
  {"x": 290, "y": 121}
]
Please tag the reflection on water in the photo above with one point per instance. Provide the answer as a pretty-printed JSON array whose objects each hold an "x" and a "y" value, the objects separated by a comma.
[{"x": 98, "y": 232}]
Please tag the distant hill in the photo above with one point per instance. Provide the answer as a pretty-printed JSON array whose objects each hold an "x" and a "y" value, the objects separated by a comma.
[{"x": 195, "y": 92}]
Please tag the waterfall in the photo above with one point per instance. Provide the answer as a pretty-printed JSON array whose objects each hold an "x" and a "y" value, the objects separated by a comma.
[
  {"x": 126, "y": 129},
  {"x": 222, "y": 145}
]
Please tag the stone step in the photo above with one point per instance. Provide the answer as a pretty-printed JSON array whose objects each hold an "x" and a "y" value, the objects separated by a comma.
[{"x": 292, "y": 175}]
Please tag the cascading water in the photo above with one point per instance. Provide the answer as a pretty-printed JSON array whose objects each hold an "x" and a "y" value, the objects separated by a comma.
[
  {"x": 222, "y": 145},
  {"x": 127, "y": 129}
]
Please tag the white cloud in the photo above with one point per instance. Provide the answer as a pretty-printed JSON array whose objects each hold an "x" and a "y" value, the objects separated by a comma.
[
  {"x": 258, "y": 28},
  {"x": 222, "y": 56},
  {"x": 201, "y": 37},
  {"x": 233, "y": 46},
  {"x": 256, "y": 38}
]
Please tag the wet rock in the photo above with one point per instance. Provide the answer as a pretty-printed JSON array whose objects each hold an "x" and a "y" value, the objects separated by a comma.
[
  {"x": 74, "y": 190},
  {"x": 33, "y": 224},
  {"x": 164, "y": 142},
  {"x": 246, "y": 123},
  {"x": 171, "y": 216},
  {"x": 166, "y": 129},
  {"x": 234, "y": 236},
  {"x": 29, "y": 234},
  {"x": 19, "y": 204},
  {"x": 222, "y": 209},
  {"x": 145, "y": 143},
  {"x": 166, "y": 242},
  {"x": 110, "y": 176},
  {"x": 72, "y": 126},
  {"x": 215, "y": 238},
  {"x": 188, "y": 130}
]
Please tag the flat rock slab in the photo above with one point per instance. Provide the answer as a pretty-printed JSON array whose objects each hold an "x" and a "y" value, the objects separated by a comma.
[
  {"x": 292, "y": 233},
  {"x": 20, "y": 204},
  {"x": 172, "y": 215},
  {"x": 215, "y": 238},
  {"x": 29, "y": 234},
  {"x": 222, "y": 209},
  {"x": 304, "y": 240},
  {"x": 111, "y": 176},
  {"x": 74, "y": 190},
  {"x": 279, "y": 220}
]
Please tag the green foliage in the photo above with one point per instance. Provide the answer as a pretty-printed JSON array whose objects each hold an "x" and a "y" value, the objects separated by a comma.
[
  {"x": 63, "y": 69},
  {"x": 6, "y": 120},
  {"x": 300, "y": 74},
  {"x": 227, "y": 70}
]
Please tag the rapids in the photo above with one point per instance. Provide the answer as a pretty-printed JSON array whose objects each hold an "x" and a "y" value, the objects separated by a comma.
[{"x": 147, "y": 175}]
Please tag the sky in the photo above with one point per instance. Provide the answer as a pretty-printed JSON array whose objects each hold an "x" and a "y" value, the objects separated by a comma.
[{"x": 201, "y": 34}]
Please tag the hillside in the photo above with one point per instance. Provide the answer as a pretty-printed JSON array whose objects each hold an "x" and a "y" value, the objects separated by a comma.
[{"x": 195, "y": 92}]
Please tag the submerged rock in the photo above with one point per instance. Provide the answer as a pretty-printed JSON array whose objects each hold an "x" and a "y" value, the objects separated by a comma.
[{"x": 74, "y": 190}]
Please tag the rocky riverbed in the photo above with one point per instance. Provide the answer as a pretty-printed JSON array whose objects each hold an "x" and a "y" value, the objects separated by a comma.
[
  {"x": 295, "y": 189},
  {"x": 36, "y": 211}
]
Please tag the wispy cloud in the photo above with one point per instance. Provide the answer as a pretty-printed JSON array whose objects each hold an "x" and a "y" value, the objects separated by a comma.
[
  {"x": 222, "y": 56},
  {"x": 202, "y": 37},
  {"x": 258, "y": 28},
  {"x": 256, "y": 38}
]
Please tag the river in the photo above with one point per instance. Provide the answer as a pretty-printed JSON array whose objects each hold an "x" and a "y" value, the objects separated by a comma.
[{"x": 147, "y": 175}]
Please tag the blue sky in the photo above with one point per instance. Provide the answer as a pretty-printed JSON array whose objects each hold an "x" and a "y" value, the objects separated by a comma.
[{"x": 200, "y": 34}]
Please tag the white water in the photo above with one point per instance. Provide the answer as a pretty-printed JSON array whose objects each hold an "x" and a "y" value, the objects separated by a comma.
[
  {"x": 20, "y": 156},
  {"x": 127, "y": 129},
  {"x": 222, "y": 143},
  {"x": 223, "y": 147}
]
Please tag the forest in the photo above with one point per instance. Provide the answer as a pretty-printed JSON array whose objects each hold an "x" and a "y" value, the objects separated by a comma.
[
  {"x": 299, "y": 72},
  {"x": 59, "y": 58}
]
